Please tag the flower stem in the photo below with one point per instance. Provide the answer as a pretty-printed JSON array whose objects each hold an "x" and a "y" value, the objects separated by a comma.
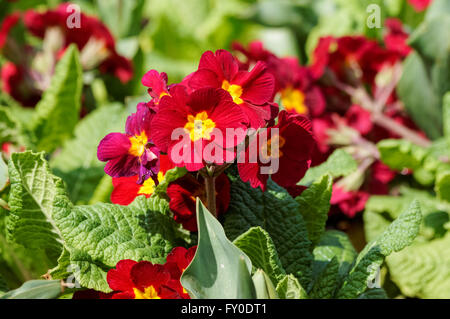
[{"x": 210, "y": 185}]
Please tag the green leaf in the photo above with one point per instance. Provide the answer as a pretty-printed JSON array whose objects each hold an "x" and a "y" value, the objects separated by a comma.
[
  {"x": 338, "y": 164},
  {"x": 314, "y": 206},
  {"x": 36, "y": 289},
  {"x": 170, "y": 176},
  {"x": 4, "y": 180},
  {"x": 442, "y": 185},
  {"x": 324, "y": 287},
  {"x": 374, "y": 293},
  {"x": 95, "y": 237},
  {"x": 277, "y": 213},
  {"x": 333, "y": 245},
  {"x": 401, "y": 154},
  {"x": 77, "y": 163},
  {"x": 422, "y": 270},
  {"x": 31, "y": 199},
  {"x": 290, "y": 288},
  {"x": 263, "y": 286},
  {"x": 259, "y": 247},
  {"x": 58, "y": 111},
  {"x": 416, "y": 91},
  {"x": 9, "y": 127},
  {"x": 219, "y": 269},
  {"x": 397, "y": 236},
  {"x": 446, "y": 116}
]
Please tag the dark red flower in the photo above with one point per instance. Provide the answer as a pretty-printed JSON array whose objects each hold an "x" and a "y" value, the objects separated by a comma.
[
  {"x": 292, "y": 144},
  {"x": 419, "y": 5},
  {"x": 7, "y": 24},
  {"x": 92, "y": 32},
  {"x": 252, "y": 91},
  {"x": 126, "y": 189},
  {"x": 299, "y": 94},
  {"x": 15, "y": 84},
  {"x": 396, "y": 38},
  {"x": 141, "y": 280},
  {"x": 183, "y": 193},
  {"x": 157, "y": 84},
  {"x": 349, "y": 202},
  {"x": 177, "y": 261},
  {"x": 199, "y": 122},
  {"x": 131, "y": 153},
  {"x": 359, "y": 119}
]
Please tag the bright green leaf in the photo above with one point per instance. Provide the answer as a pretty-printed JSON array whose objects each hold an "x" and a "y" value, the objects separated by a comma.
[
  {"x": 259, "y": 247},
  {"x": 58, "y": 111},
  {"x": 314, "y": 206},
  {"x": 338, "y": 164}
]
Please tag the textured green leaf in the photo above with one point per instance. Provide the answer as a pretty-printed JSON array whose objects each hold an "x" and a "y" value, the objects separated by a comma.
[
  {"x": 259, "y": 247},
  {"x": 277, "y": 213},
  {"x": 419, "y": 270},
  {"x": 264, "y": 287},
  {"x": 58, "y": 111},
  {"x": 77, "y": 163},
  {"x": 338, "y": 164},
  {"x": 314, "y": 206},
  {"x": 290, "y": 288},
  {"x": 324, "y": 287},
  {"x": 422, "y": 270},
  {"x": 31, "y": 199},
  {"x": 395, "y": 237},
  {"x": 36, "y": 289},
  {"x": 96, "y": 237},
  {"x": 333, "y": 245},
  {"x": 219, "y": 269}
]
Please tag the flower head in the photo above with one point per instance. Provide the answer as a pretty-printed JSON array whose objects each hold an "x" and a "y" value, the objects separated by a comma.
[
  {"x": 200, "y": 121},
  {"x": 291, "y": 144},
  {"x": 131, "y": 153},
  {"x": 141, "y": 280},
  {"x": 126, "y": 189},
  {"x": 252, "y": 90}
]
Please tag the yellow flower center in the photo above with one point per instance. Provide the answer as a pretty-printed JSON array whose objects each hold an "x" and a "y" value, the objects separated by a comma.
[
  {"x": 234, "y": 90},
  {"x": 276, "y": 142},
  {"x": 149, "y": 293},
  {"x": 199, "y": 126},
  {"x": 163, "y": 94},
  {"x": 149, "y": 185},
  {"x": 293, "y": 99},
  {"x": 138, "y": 143}
]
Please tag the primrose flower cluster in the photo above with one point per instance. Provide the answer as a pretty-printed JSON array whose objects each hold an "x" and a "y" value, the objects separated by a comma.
[
  {"x": 222, "y": 113},
  {"x": 29, "y": 67}
]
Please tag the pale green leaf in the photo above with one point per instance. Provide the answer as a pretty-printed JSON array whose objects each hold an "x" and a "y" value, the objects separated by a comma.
[
  {"x": 36, "y": 289},
  {"x": 219, "y": 269}
]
